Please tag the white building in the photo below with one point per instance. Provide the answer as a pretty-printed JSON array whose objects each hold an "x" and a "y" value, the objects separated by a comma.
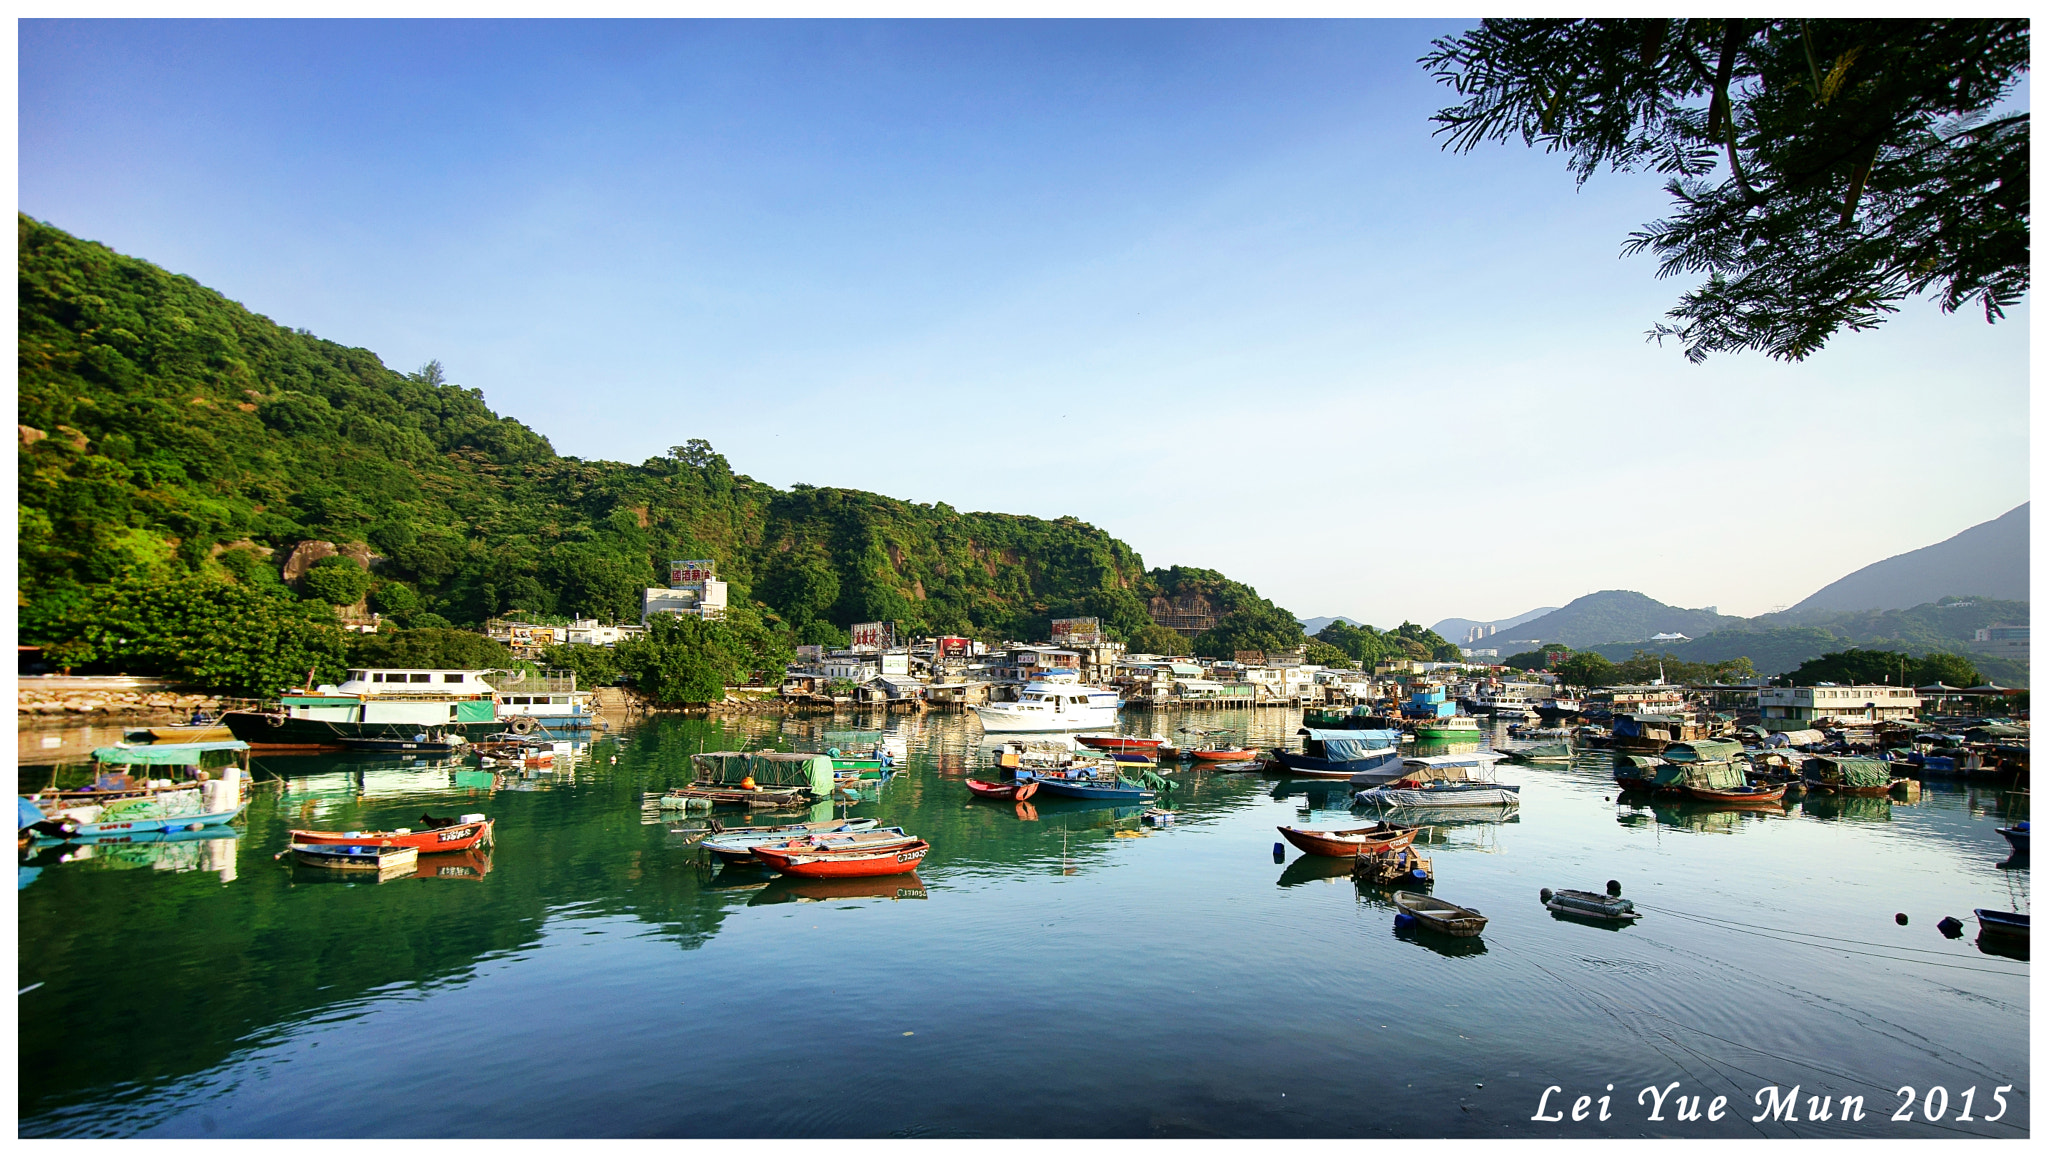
[
  {"x": 592, "y": 633},
  {"x": 1800, "y": 708},
  {"x": 705, "y": 599}
]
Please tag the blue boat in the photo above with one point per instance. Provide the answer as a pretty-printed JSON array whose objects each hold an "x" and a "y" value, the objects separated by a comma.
[
  {"x": 1341, "y": 753},
  {"x": 1080, "y": 785}
]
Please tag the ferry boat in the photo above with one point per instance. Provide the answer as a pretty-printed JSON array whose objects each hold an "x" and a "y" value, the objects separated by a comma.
[
  {"x": 1436, "y": 717},
  {"x": 1507, "y": 699},
  {"x": 1056, "y": 701},
  {"x": 375, "y": 703}
]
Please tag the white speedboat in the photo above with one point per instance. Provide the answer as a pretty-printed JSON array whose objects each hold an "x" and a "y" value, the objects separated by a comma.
[{"x": 1057, "y": 701}]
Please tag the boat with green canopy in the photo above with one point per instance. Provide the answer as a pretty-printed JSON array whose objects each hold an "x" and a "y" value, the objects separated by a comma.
[{"x": 1849, "y": 775}]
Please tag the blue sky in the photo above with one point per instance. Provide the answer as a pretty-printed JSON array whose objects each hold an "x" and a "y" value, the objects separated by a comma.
[{"x": 1212, "y": 286}]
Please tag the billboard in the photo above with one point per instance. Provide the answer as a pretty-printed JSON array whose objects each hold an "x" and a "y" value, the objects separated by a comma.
[
  {"x": 874, "y": 636},
  {"x": 952, "y": 645},
  {"x": 689, "y": 570},
  {"x": 1073, "y": 631}
]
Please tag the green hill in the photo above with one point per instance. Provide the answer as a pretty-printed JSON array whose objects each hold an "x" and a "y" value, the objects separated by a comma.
[{"x": 168, "y": 434}]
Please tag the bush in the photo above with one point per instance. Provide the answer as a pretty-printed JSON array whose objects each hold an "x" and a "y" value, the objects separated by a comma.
[{"x": 336, "y": 579}]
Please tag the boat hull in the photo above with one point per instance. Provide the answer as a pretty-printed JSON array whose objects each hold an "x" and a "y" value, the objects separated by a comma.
[
  {"x": 368, "y": 858},
  {"x": 1121, "y": 743},
  {"x": 1017, "y": 791},
  {"x": 1440, "y": 915},
  {"x": 1346, "y": 843},
  {"x": 457, "y": 838},
  {"x": 179, "y": 823},
  {"x": 889, "y": 862},
  {"x": 261, "y": 729},
  {"x": 1434, "y": 733},
  {"x": 1311, "y": 767},
  {"x": 2015, "y": 837},
  {"x": 777, "y": 856},
  {"x": 1759, "y": 795},
  {"x": 1122, "y": 790},
  {"x": 1006, "y": 719}
]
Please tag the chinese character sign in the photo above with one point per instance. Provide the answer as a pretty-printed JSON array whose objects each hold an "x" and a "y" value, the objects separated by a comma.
[
  {"x": 690, "y": 570},
  {"x": 874, "y": 636},
  {"x": 1077, "y": 631}
]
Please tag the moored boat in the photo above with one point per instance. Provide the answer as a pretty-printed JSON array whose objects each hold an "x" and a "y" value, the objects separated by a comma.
[
  {"x": 2016, "y": 835},
  {"x": 1748, "y": 794},
  {"x": 1436, "y": 781},
  {"x": 1589, "y": 905},
  {"x": 1636, "y": 772},
  {"x": 374, "y": 703},
  {"x": 467, "y": 833},
  {"x": 377, "y": 858},
  {"x": 1090, "y": 784},
  {"x": 1849, "y": 775},
  {"x": 1348, "y": 841},
  {"x": 1056, "y": 701},
  {"x": 774, "y": 854},
  {"x": 864, "y": 862},
  {"x": 2012, "y": 925},
  {"x": 1440, "y": 915},
  {"x": 1127, "y": 743},
  {"x": 1340, "y": 753},
  {"x": 1448, "y": 729}
]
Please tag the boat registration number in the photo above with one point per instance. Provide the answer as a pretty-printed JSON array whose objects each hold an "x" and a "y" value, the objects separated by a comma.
[{"x": 453, "y": 834}]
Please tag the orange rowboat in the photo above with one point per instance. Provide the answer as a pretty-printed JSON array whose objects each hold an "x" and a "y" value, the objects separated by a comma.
[
  {"x": 458, "y": 838},
  {"x": 838, "y": 865},
  {"x": 1019, "y": 791},
  {"x": 1221, "y": 754},
  {"x": 1349, "y": 842},
  {"x": 1753, "y": 794}
]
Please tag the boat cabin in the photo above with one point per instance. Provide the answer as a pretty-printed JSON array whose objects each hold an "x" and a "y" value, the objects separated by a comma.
[
  {"x": 437, "y": 681},
  {"x": 406, "y": 695}
]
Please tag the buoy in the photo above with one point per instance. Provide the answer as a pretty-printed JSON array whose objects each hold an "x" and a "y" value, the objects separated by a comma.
[
  {"x": 1950, "y": 927},
  {"x": 1279, "y": 852},
  {"x": 1614, "y": 887},
  {"x": 1900, "y": 918}
]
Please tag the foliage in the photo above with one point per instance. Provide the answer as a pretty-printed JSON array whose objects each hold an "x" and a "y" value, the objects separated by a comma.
[
  {"x": 594, "y": 666},
  {"x": 176, "y": 421},
  {"x": 336, "y": 579},
  {"x": 684, "y": 659},
  {"x": 1325, "y": 655},
  {"x": 220, "y": 636},
  {"x": 1543, "y": 658},
  {"x": 428, "y": 647},
  {"x": 1588, "y": 669},
  {"x": 1648, "y": 666},
  {"x": 1864, "y": 162},
  {"x": 1371, "y": 646},
  {"x": 1857, "y": 665},
  {"x": 1153, "y": 639}
]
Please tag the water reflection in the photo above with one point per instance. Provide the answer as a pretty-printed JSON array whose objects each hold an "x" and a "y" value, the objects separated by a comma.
[{"x": 210, "y": 849}]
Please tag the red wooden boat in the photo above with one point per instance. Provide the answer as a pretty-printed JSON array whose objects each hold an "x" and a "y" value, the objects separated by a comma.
[
  {"x": 1019, "y": 791},
  {"x": 1349, "y": 842},
  {"x": 1221, "y": 754},
  {"x": 1122, "y": 743},
  {"x": 866, "y": 862},
  {"x": 775, "y": 855},
  {"x": 1755, "y": 793},
  {"x": 454, "y": 838}
]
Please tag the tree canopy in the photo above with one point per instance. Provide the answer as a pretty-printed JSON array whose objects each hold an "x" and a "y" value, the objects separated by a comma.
[
  {"x": 1857, "y": 665},
  {"x": 1821, "y": 170}
]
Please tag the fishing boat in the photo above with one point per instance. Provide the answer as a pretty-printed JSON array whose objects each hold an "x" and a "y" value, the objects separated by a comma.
[
  {"x": 1055, "y": 701},
  {"x": 468, "y": 832},
  {"x": 1559, "y": 707},
  {"x": 1092, "y": 783},
  {"x": 775, "y": 854},
  {"x": 1747, "y": 794},
  {"x": 374, "y": 703},
  {"x": 1242, "y": 765},
  {"x": 1341, "y": 753},
  {"x": 1403, "y": 866},
  {"x": 1636, "y": 772},
  {"x": 1016, "y": 790},
  {"x": 866, "y": 862},
  {"x": 1440, "y": 915},
  {"x": 1539, "y": 752},
  {"x": 1590, "y": 906},
  {"x": 1849, "y": 775},
  {"x": 2012, "y": 925},
  {"x": 176, "y": 812},
  {"x": 1123, "y": 743},
  {"x": 1221, "y": 754},
  {"x": 378, "y": 858},
  {"x": 1448, "y": 729},
  {"x": 772, "y": 779},
  {"x": 1348, "y": 841},
  {"x": 2016, "y": 835},
  {"x": 212, "y": 732}
]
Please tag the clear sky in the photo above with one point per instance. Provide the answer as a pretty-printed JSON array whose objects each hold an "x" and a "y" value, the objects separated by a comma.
[{"x": 1211, "y": 286}]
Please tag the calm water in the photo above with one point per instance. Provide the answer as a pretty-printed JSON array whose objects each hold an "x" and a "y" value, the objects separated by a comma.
[{"x": 1067, "y": 973}]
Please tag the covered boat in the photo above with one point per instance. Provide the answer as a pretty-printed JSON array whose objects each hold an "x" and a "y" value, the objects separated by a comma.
[
  {"x": 1377, "y": 837},
  {"x": 1849, "y": 775},
  {"x": 1428, "y": 783},
  {"x": 1746, "y": 794},
  {"x": 1422, "y": 768},
  {"x": 1701, "y": 751},
  {"x": 777, "y": 779},
  {"x": 1339, "y": 753},
  {"x": 1636, "y": 772},
  {"x": 1706, "y": 775},
  {"x": 1590, "y": 906}
]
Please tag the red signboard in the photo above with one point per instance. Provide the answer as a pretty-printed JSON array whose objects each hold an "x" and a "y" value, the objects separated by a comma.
[{"x": 690, "y": 570}]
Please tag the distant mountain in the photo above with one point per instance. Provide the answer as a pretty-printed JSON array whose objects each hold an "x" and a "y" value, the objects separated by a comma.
[
  {"x": 1614, "y": 617},
  {"x": 1988, "y": 560},
  {"x": 1456, "y": 629}
]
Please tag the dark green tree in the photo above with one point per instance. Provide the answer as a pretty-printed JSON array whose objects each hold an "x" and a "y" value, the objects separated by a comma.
[
  {"x": 1822, "y": 170},
  {"x": 336, "y": 579},
  {"x": 428, "y": 647},
  {"x": 1588, "y": 669},
  {"x": 684, "y": 659}
]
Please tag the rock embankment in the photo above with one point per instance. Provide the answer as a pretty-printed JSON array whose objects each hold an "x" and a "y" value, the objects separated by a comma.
[{"x": 153, "y": 704}]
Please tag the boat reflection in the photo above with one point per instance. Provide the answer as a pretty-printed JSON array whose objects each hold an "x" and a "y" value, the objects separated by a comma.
[
  {"x": 1696, "y": 816},
  {"x": 473, "y": 864},
  {"x": 1309, "y": 869},
  {"x": 1441, "y": 943},
  {"x": 2010, "y": 947},
  {"x": 209, "y": 849},
  {"x": 796, "y": 890},
  {"x": 1858, "y": 808}
]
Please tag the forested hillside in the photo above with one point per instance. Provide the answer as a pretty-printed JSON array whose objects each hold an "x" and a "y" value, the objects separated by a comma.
[{"x": 168, "y": 434}]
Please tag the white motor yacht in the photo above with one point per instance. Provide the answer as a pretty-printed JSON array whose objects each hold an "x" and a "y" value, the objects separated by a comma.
[{"x": 1056, "y": 701}]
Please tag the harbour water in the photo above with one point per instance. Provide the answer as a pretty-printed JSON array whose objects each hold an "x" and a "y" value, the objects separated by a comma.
[{"x": 1051, "y": 970}]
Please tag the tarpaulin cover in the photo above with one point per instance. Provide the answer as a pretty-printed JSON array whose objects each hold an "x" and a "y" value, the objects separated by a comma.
[
  {"x": 1702, "y": 750},
  {"x": 29, "y": 813},
  {"x": 1375, "y": 738},
  {"x": 164, "y": 754},
  {"x": 1852, "y": 772},
  {"x": 1716, "y": 775}
]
